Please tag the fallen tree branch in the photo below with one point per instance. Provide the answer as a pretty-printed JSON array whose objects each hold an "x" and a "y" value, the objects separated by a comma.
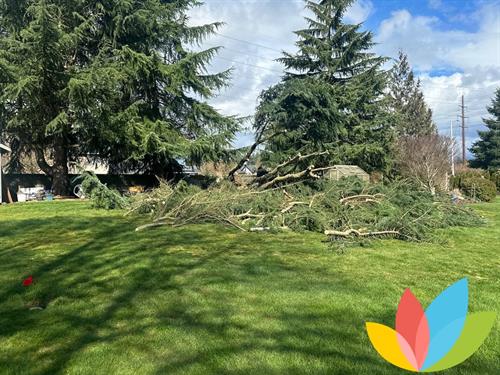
[
  {"x": 260, "y": 229},
  {"x": 357, "y": 233},
  {"x": 153, "y": 225},
  {"x": 375, "y": 198},
  {"x": 309, "y": 172},
  {"x": 290, "y": 176},
  {"x": 292, "y": 205},
  {"x": 297, "y": 158}
]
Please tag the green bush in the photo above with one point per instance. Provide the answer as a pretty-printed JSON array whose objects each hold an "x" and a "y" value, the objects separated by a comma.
[
  {"x": 495, "y": 177},
  {"x": 469, "y": 173},
  {"x": 479, "y": 188}
]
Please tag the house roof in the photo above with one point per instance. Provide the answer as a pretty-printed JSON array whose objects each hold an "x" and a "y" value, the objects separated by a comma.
[
  {"x": 4, "y": 148},
  {"x": 246, "y": 169},
  {"x": 349, "y": 168}
]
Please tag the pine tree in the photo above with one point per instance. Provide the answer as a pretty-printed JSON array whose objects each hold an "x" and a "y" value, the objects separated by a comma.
[
  {"x": 487, "y": 150},
  {"x": 413, "y": 117},
  {"x": 331, "y": 98},
  {"x": 111, "y": 81}
]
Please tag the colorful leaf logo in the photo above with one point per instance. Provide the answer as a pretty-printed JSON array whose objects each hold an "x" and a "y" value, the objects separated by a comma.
[{"x": 436, "y": 339}]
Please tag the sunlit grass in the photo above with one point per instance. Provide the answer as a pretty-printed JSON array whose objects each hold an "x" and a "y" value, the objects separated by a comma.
[{"x": 211, "y": 300}]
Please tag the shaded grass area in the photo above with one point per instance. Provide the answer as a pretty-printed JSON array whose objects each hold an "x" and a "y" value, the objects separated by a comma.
[{"x": 210, "y": 300}]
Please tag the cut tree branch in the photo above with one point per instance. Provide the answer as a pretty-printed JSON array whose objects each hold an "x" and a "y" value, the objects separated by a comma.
[
  {"x": 297, "y": 158},
  {"x": 357, "y": 233},
  {"x": 292, "y": 205},
  {"x": 364, "y": 198},
  {"x": 309, "y": 172}
]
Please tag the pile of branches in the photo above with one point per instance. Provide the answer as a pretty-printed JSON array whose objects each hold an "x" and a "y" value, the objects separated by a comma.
[{"x": 342, "y": 210}]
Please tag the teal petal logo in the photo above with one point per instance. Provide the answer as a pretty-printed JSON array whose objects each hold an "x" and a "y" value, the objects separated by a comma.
[{"x": 436, "y": 339}]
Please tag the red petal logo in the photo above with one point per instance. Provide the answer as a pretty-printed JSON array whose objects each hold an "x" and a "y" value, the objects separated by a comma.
[{"x": 412, "y": 325}]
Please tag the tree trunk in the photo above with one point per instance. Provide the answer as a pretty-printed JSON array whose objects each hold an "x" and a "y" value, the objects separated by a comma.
[{"x": 60, "y": 173}]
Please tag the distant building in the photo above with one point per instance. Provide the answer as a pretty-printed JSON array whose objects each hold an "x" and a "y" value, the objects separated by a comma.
[
  {"x": 190, "y": 170},
  {"x": 246, "y": 170},
  {"x": 340, "y": 171},
  {"x": 84, "y": 164}
]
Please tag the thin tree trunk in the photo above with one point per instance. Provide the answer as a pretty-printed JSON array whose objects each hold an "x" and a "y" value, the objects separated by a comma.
[
  {"x": 42, "y": 163},
  {"x": 258, "y": 141},
  {"x": 242, "y": 162},
  {"x": 60, "y": 172}
]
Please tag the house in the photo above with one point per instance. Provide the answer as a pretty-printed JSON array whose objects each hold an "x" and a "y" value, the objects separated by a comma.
[
  {"x": 3, "y": 150},
  {"x": 246, "y": 170}
]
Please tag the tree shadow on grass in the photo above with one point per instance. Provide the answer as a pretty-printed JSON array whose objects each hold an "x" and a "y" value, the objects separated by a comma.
[{"x": 116, "y": 286}]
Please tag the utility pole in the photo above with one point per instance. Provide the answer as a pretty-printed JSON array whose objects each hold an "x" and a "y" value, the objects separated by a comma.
[
  {"x": 452, "y": 149},
  {"x": 464, "y": 161}
]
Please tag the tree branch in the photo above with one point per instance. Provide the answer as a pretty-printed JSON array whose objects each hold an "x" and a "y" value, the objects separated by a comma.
[
  {"x": 309, "y": 172},
  {"x": 42, "y": 163},
  {"x": 297, "y": 158},
  {"x": 357, "y": 233}
]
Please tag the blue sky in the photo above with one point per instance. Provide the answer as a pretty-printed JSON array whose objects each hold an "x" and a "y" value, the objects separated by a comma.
[{"x": 453, "y": 46}]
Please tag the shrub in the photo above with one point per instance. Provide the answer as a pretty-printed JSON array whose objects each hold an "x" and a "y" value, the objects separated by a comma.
[
  {"x": 495, "y": 177},
  {"x": 468, "y": 173},
  {"x": 479, "y": 188}
]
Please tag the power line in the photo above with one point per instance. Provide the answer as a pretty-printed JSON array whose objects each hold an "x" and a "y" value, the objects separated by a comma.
[
  {"x": 247, "y": 42},
  {"x": 240, "y": 52},
  {"x": 426, "y": 83},
  {"x": 252, "y": 65}
]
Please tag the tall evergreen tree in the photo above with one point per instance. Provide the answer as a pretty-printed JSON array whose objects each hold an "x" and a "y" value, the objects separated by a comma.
[
  {"x": 110, "y": 80},
  {"x": 413, "y": 117},
  {"x": 331, "y": 98},
  {"x": 487, "y": 149}
]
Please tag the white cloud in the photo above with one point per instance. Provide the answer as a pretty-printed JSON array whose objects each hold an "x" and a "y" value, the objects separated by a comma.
[
  {"x": 262, "y": 23},
  {"x": 435, "y": 4},
  {"x": 473, "y": 56},
  {"x": 360, "y": 11},
  {"x": 471, "y": 59}
]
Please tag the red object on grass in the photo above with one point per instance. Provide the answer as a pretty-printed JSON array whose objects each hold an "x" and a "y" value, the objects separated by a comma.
[{"x": 28, "y": 281}]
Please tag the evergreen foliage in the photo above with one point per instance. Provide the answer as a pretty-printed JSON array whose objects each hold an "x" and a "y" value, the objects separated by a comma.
[
  {"x": 99, "y": 194},
  {"x": 412, "y": 116},
  {"x": 487, "y": 149},
  {"x": 111, "y": 80},
  {"x": 331, "y": 98},
  {"x": 402, "y": 209}
]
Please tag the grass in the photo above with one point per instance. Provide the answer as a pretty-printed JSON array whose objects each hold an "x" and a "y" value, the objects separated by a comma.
[{"x": 210, "y": 300}]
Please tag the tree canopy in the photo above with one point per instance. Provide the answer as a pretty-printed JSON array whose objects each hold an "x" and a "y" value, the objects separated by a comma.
[
  {"x": 412, "y": 116},
  {"x": 109, "y": 80},
  {"x": 487, "y": 149},
  {"x": 331, "y": 97}
]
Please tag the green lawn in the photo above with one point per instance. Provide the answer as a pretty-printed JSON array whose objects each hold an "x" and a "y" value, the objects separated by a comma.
[{"x": 210, "y": 300}]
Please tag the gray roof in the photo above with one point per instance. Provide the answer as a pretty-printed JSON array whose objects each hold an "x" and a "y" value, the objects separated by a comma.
[
  {"x": 349, "y": 168},
  {"x": 4, "y": 148}
]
